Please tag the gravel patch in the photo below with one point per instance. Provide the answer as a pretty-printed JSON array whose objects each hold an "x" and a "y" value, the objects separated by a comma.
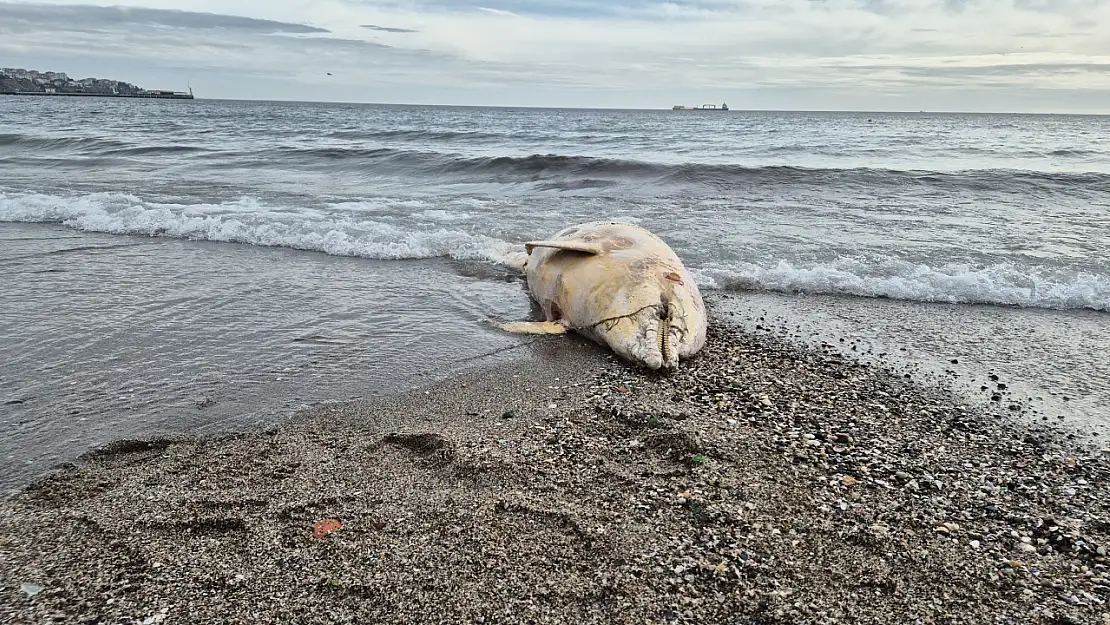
[{"x": 761, "y": 483}]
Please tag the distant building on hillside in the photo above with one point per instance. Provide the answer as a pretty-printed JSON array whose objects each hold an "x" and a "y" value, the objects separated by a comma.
[{"x": 20, "y": 81}]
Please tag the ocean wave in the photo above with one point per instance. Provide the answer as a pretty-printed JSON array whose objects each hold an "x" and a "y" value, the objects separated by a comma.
[
  {"x": 155, "y": 150},
  {"x": 399, "y": 153},
  {"x": 1074, "y": 152},
  {"x": 251, "y": 222},
  {"x": 420, "y": 135},
  {"x": 1005, "y": 284},
  {"x": 51, "y": 144},
  {"x": 554, "y": 170},
  {"x": 33, "y": 148}
]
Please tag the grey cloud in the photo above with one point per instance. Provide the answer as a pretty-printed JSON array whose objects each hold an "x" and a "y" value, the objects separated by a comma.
[
  {"x": 876, "y": 6},
  {"x": 1062, "y": 7},
  {"x": 1043, "y": 34},
  {"x": 387, "y": 29},
  {"x": 88, "y": 17},
  {"x": 245, "y": 53},
  {"x": 1014, "y": 69}
]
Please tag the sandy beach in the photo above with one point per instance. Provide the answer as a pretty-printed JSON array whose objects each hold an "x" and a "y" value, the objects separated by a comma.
[{"x": 761, "y": 483}]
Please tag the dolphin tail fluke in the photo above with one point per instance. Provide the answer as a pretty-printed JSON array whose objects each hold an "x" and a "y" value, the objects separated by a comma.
[
  {"x": 572, "y": 246},
  {"x": 534, "y": 327}
]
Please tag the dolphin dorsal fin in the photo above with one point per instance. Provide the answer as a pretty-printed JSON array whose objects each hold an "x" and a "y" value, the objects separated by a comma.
[{"x": 572, "y": 246}]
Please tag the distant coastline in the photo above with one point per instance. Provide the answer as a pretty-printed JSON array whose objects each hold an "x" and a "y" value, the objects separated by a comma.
[
  {"x": 170, "y": 95},
  {"x": 17, "y": 81}
]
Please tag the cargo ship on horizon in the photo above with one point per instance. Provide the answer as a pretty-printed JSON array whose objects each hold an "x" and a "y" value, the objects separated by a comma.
[{"x": 703, "y": 107}]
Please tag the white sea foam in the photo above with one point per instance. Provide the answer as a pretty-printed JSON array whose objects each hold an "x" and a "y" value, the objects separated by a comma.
[
  {"x": 446, "y": 216},
  {"x": 1001, "y": 284},
  {"x": 248, "y": 221},
  {"x": 410, "y": 230}
]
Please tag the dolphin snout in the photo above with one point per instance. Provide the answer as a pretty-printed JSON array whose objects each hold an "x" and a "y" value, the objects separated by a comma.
[
  {"x": 656, "y": 341},
  {"x": 648, "y": 338}
]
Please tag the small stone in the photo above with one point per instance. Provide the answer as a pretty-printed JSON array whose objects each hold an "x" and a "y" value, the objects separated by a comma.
[{"x": 974, "y": 544}]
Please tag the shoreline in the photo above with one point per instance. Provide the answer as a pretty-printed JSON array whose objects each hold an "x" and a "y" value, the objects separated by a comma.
[
  {"x": 762, "y": 481},
  {"x": 971, "y": 353}
]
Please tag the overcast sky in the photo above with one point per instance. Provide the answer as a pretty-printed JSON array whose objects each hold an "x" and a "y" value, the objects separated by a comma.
[{"x": 971, "y": 55}]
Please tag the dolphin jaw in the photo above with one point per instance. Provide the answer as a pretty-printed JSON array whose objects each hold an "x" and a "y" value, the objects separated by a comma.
[{"x": 650, "y": 340}]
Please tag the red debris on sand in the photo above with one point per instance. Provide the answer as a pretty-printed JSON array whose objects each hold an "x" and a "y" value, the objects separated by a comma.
[{"x": 325, "y": 527}]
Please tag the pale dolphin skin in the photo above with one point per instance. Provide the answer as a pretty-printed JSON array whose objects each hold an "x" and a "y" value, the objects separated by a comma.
[{"x": 621, "y": 286}]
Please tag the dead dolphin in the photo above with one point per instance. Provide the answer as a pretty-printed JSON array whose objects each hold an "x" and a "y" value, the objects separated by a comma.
[{"x": 621, "y": 286}]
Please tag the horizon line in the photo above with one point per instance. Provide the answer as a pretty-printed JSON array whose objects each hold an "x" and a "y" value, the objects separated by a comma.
[{"x": 668, "y": 109}]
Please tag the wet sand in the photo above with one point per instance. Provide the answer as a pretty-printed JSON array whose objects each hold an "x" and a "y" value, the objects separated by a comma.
[{"x": 762, "y": 483}]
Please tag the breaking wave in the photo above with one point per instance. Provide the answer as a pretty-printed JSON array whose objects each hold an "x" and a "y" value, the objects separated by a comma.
[
  {"x": 1002, "y": 284},
  {"x": 395, "y": 231},
  {"x": 339, "y": 232}
]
